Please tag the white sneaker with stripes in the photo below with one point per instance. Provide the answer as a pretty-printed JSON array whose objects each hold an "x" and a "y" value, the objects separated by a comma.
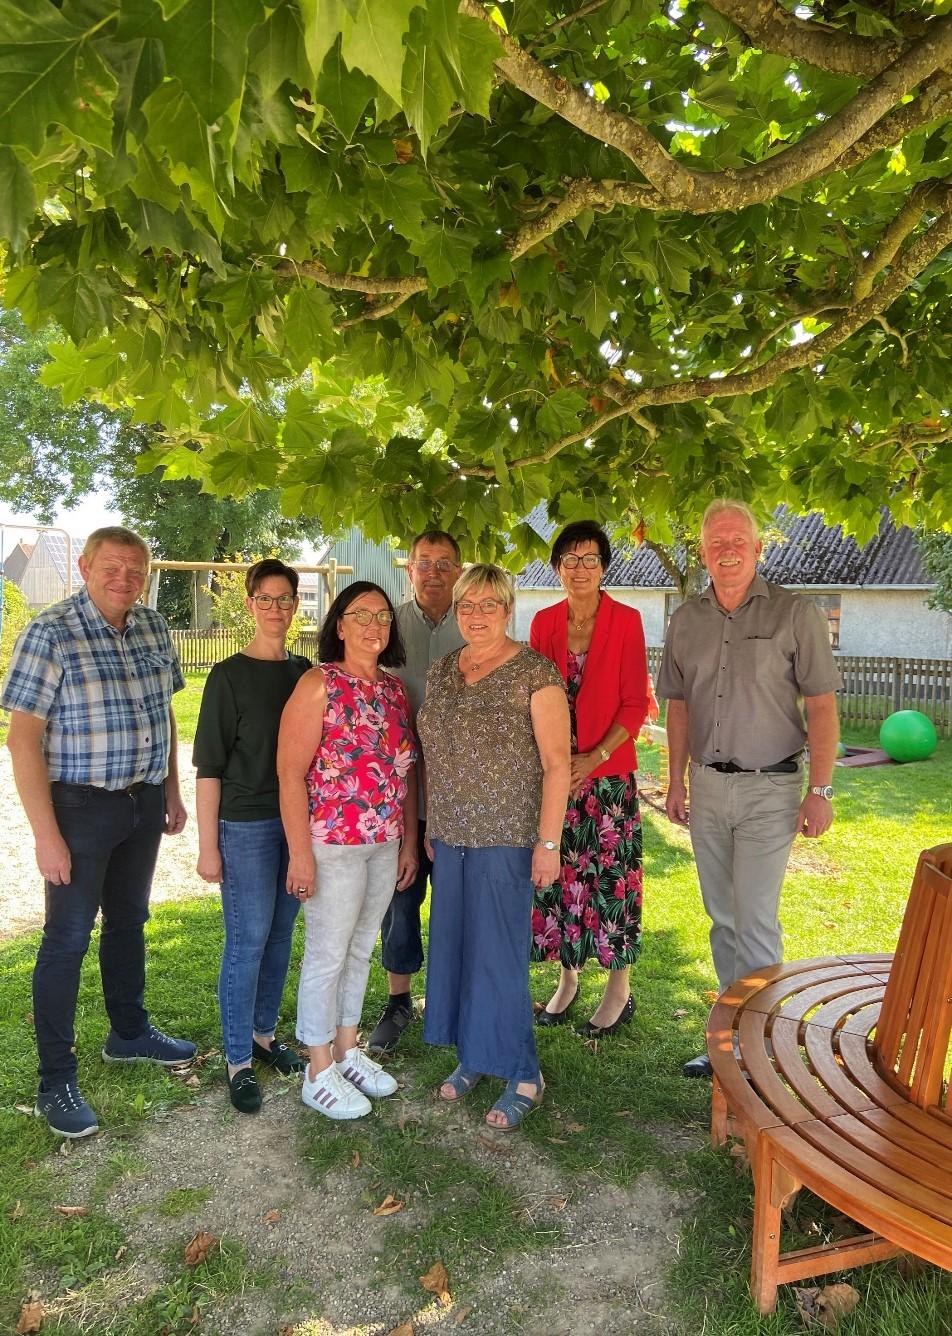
[
  {"x": 368, "y": 1076},
  {"x": 329, "y": 1093}
]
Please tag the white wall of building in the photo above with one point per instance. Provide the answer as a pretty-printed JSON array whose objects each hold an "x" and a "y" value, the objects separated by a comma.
[
  {"x": 649, "y": 602},
  {"x": 893, "y": 622}
]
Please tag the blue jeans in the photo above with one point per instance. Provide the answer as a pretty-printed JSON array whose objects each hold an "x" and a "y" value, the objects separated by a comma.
[
  {"x": 401, "y": 941},
  {"x": 113, "y": 840},
  {"x": 259, "y": 925}
]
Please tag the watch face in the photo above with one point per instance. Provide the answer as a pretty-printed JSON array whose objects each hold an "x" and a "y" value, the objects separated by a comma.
[{"x": 824, "y": 790}]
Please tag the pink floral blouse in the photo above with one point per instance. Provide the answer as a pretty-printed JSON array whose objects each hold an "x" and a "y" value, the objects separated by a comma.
[{"x": 357, "y": 781}]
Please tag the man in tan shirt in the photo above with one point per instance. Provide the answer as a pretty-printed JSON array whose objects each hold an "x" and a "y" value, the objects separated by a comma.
[{"x": 738, "y": 660}]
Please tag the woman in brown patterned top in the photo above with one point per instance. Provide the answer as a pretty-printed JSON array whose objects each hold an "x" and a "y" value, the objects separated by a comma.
[{"x": 495, "y": 732}]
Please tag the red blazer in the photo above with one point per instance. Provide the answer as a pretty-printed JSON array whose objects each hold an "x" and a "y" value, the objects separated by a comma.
[{"x": 615, "y": 683}]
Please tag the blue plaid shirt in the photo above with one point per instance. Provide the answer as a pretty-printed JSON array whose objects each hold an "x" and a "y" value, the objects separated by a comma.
[{"x": 105, "y": 694}]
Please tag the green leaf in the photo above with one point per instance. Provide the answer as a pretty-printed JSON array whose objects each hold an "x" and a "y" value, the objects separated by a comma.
[
  {"x": 310, "y": 323},
  {"x": 675, "y": 259},
  {"x": 561, "y": 413},
  {"x": 206, "y": 43},
  {"x": 277, "y": 51},
  {"x": 479, "y": 49},
  {"x": 345, "y": 93},
  {"x": 240, "y": 297},
  {"x": 50, "y": 74},
  {"x": 17, "y": 199},
  {"x": 444, "y": 255},
  {"x": 429, "y": 86},
  {"x": 80, "y": 302},
  {"x": 323, "y": 23},
  {"x": 593, "y": 306},
  {"x": 372, "y": 41},
  {"x": 398, "y": 198}
]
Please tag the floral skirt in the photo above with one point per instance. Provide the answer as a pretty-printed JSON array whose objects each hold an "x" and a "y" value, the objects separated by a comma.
[{"x": 594, "y": 909}]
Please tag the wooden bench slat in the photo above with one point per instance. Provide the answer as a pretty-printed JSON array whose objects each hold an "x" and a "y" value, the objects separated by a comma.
[
  {"x": 857, "y": 1062},
  {"x": 916, "y": 1139},
  {"x": 821, "y": 1086},
  {"x": 838, "y": 1011},
  {"x": 774, "y": 995}
]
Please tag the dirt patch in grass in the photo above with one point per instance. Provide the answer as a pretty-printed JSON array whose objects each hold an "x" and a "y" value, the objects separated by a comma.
[{"x": 317, "y": 1261}]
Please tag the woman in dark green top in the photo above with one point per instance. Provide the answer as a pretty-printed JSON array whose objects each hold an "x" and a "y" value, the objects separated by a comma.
[{"x": 241, "y": 842}]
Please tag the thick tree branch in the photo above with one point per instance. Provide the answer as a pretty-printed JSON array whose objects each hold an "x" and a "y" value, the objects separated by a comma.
[
  {"x": 774, "y": 28},
  {"x": 698, "y": 192},
  {"x": 579, "y": 13},
  {"x": 405, "y": 287},
  {"x": 928, "y": 195},
  {"x": 934, "y": 101},
  {"x": 918, "y": 254}
]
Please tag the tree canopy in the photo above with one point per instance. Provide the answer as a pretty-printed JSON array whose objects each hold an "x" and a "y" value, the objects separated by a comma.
[{"x": 618, "y": 255}]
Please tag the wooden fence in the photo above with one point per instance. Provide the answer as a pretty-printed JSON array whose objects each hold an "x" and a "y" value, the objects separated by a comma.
[
  {"x": 874, "y": 687},
  {"x": 200, "y": 650}
]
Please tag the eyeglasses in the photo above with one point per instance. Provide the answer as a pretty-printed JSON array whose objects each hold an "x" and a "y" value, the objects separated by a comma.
[
  {"x": 572, "y": 560},
  {"x": 425, "y": 565},
  {"x": 486, "y": 605},
  {"x": 363, "y": 617},
  {"x": 264, "y": 601}
]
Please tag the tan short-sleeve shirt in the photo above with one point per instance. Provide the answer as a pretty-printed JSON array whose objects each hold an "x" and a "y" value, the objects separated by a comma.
[
  {"x": 484, "y": 773},
  {"x": 742, "y": 674}
]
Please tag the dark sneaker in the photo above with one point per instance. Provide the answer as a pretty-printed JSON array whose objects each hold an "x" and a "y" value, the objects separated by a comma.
[
  {"x": 280, "y": 1056},
  {"x": 150, "y": 1046},
  {"x": 65, "y": 1110},
  {"x": 244, "y": 1091},
  {"x": 386, "y": 1036}
]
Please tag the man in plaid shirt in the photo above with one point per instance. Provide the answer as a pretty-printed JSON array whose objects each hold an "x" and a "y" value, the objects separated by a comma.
[{"x": 92, "y": 737}]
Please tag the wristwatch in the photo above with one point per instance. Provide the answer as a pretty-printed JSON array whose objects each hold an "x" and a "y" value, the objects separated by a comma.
[
  {"x": 547, "y": 844},
  {"x": 822, "y": 790},
  {"x": 604, "y": 753}
]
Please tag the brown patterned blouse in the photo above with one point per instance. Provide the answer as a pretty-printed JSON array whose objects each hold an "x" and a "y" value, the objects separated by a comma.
[{"x": 484, "y": 775}]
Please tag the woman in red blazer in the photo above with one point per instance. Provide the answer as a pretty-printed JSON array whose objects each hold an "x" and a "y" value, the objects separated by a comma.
[{"x": 594, "y": 909}]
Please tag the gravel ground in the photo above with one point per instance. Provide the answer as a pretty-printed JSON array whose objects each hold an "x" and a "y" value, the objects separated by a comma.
[{"x": 604, "y": 1279}]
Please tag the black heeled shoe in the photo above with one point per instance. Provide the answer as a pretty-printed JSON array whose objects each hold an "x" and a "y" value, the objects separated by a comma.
[
  {"x": 546, "y": 1018},
  {"x": 590, "y": 1031}
]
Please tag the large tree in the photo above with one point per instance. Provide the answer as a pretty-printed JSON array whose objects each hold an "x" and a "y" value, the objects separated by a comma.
[{"x": 619, "y": 255}]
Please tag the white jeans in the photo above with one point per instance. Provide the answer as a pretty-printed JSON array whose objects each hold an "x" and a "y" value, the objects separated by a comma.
[
  {"x": 742, "y": 827},
  {"x": 355, "y": 885}
]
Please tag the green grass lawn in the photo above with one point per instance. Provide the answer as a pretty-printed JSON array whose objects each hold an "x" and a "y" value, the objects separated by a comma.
[{"x": 628, "y": 1100}]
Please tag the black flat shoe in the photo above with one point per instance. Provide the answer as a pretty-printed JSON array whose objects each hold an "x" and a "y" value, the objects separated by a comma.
[
  {"x": 590, "y": 1031},
  {"x": 244, "y": 1091},
  {"x": 280, "y": 1056},
  {"x": 546, "y": 1018},
  {"x": 698, "y": 1069}
]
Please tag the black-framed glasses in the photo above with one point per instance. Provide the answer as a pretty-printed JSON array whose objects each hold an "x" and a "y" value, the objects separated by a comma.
[
  {"x": 264, "y": 601},
  {"x": 571, "y": 561},
  {"x": 363, "y": 616},
  {"x": 487, "y": 605},
  {"x": 425, "y": 565}
]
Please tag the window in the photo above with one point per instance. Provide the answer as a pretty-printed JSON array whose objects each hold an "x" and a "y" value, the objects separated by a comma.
[{"x": 829, "y": 605}]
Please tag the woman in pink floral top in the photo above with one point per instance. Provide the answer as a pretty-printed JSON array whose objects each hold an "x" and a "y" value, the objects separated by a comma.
[{"x": 346, "y": 765}]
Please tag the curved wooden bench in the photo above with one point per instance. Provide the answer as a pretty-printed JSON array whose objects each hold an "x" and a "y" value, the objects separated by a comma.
[{"x": 836, "y": 1073}]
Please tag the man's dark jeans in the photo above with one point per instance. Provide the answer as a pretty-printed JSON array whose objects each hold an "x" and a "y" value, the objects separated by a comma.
[
  {"x": 113, "y": 840},
  {"x": 401, "y": 941}
]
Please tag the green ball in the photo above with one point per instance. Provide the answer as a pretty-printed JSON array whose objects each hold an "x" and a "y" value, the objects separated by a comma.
[{"x": 908, "y": 735}]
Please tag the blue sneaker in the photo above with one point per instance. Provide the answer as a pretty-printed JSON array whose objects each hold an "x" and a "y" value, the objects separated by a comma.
[
  {"x": 150, "y": 1046},
  {"x": 65, "y": 1110}
]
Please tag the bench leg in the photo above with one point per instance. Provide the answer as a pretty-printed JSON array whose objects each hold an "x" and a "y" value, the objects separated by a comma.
[
  {"x": 718, "y": 1114},
  {"x": 773, "y": 1188}
]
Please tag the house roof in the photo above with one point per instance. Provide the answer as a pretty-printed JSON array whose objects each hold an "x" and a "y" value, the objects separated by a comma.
[
  {"x": 55, "y": 548},
  {"x": 810, "y": 553}
]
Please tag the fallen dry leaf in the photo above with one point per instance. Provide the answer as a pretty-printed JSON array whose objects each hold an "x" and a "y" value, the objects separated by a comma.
[
  {"x": 31, "y": 1314},
  {"x": 679, "y": 1013},
  {"x": 829, "y": 926},
  {"x": 711, "y": 995},
  {"x": 120, "y": 1253},
  {"x": 487, "y": 1143},
  {"x": 403, "y": 150},
  {"x": 437, "y": 1282},
  {"x": 405, "y": 1329},
  {"x": 461, "y": 1314},
  {"x": 66, "y": 1148},
  {"x": 28, "y": 1017},
  {"x": 834, "y": 1302},
  {"x": 16, "y": 1212},
  {"x": 72, "y": 1210},
  {"x": 575, "y": 1127},
  {"x": 558, "y": 1203},
  {"x": 355, "y": 1160},
  {"x": 198, "y": 1247},
  {"x": 24, "y": 1108},
  {"x": 192, "y": 1081},
  {"x": 557, "y": 1141},
  {"x": 271, "y": 1217},
  {"x": 389, "y": 1206},
  {"x": 739, "y": 1156}
]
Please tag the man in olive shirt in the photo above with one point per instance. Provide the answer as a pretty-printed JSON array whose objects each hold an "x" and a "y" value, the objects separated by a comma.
[
  {"x": 429, "y": 631},
  {"x": 737, "y": 661}
]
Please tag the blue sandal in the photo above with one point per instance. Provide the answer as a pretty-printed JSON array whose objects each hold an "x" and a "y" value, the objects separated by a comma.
[
  {"x": 515, "y": 1107},
  {"x": 462, "y": 1080}
]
